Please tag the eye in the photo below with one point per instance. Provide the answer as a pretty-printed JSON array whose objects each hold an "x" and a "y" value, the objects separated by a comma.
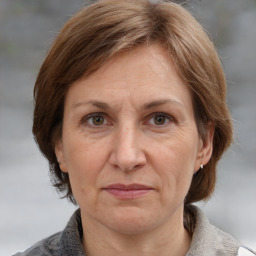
[
  {"x": 160, "y": 119},
  {"x": 95, "y": 119}
]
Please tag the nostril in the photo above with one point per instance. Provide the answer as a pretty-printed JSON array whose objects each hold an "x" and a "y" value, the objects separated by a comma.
[{"x": 128, "y": 169}]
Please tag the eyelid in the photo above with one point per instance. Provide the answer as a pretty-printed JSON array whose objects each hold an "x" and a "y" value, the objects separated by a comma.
[
  {"x": 94, "y": 114},
  {"x": 105, "y": 116}
]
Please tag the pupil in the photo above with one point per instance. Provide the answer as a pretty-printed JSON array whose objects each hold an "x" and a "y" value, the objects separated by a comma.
[
  {"x": 159, "y": 120},
  {"x": 98, "y": 120}
]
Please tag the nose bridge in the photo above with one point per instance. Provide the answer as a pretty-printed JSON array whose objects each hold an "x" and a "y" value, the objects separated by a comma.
[
  {"x": 127, "y": 152},
  {"x": 127, "y": 138}
]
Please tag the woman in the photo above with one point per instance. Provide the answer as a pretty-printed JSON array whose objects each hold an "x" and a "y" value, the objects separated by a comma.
[{"x": 130, "y": 112}]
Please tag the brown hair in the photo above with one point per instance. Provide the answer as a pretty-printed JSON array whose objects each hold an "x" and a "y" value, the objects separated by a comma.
[{"x": 103, "y": 29}]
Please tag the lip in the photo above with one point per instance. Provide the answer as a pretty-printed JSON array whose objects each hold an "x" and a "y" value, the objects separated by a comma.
[{"x": 130, "y": 191}]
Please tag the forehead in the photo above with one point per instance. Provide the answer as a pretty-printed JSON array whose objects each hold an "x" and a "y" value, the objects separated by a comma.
[{"x": 144, "y": 73}]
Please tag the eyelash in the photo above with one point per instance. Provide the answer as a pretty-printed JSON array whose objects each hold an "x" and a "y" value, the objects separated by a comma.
[
  {"x": 90, "y": 116},
  {"x": 148, "y": 119},
  {"x": 160, "y": 114}
]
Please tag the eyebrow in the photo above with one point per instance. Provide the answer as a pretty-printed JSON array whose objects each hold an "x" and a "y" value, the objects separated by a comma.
[
  {"x": 98, "y": 104},
  {"x": 152, "y": 104},
  {"x": 157, "y": 103}
]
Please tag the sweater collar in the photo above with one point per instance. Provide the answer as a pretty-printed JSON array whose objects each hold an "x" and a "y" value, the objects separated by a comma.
[
  {"x": 207, "y": 240},
  {"x": 71, "y": 236}
]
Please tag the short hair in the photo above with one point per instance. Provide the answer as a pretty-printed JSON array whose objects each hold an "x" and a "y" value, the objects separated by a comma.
[{"x": 101, "y": 30}]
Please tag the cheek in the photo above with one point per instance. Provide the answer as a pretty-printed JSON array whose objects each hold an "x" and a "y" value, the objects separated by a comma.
[
  {"x": 177, "y": 153},
  {"x": 84, "y": 162},
  {"x": 174, "y": 163}
]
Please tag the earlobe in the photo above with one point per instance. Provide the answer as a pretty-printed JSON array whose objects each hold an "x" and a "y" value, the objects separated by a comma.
[{"x": 60, "y": 155}]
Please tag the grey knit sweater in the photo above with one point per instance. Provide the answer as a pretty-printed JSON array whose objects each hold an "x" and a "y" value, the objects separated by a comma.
[{"x": 207, "y": 240}]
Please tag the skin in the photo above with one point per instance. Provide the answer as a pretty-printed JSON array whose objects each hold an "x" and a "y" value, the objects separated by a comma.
[{"x": 126, "y": 142}]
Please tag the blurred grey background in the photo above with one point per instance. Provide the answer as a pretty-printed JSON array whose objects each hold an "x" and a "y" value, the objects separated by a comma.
[{"x": 30, "y": 207}]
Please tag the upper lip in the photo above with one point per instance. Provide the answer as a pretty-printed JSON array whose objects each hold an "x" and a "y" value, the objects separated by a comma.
[{"x": 133, "y": 186}]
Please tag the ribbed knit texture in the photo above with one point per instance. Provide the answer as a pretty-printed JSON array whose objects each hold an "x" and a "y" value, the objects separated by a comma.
[{"x": 208, "y": 240}]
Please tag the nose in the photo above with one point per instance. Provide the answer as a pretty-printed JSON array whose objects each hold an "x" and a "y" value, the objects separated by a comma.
[{"x": 127, "y": 152}]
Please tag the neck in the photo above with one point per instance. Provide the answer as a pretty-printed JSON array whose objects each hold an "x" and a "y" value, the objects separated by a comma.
[{"x": 169, "y": 239}]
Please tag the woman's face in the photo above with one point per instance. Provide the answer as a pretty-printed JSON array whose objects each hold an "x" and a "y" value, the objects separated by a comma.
[{"x": 130, "y": 143}]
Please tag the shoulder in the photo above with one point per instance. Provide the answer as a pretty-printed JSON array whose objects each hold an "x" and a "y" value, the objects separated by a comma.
[
  {"x": 65, "y": 243},
  {"x": 46, "y": 247},
  {"x": 245, "y": 251},
  {"x": 209, "y": 240}
]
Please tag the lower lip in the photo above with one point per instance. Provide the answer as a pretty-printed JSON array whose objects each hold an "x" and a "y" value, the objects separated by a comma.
[{"x": 128, "y": 194}]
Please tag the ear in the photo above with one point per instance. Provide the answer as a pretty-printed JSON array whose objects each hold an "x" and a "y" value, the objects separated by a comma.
[
  {"x": 205, "y": 147},
  {"x": 60, "y": 155}
]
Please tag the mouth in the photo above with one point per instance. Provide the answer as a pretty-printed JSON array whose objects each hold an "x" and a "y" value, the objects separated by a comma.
[{"x": 131, "y": 191}]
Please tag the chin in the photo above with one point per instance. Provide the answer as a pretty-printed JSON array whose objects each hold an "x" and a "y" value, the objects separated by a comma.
[{"x": 132, "y": 221}]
